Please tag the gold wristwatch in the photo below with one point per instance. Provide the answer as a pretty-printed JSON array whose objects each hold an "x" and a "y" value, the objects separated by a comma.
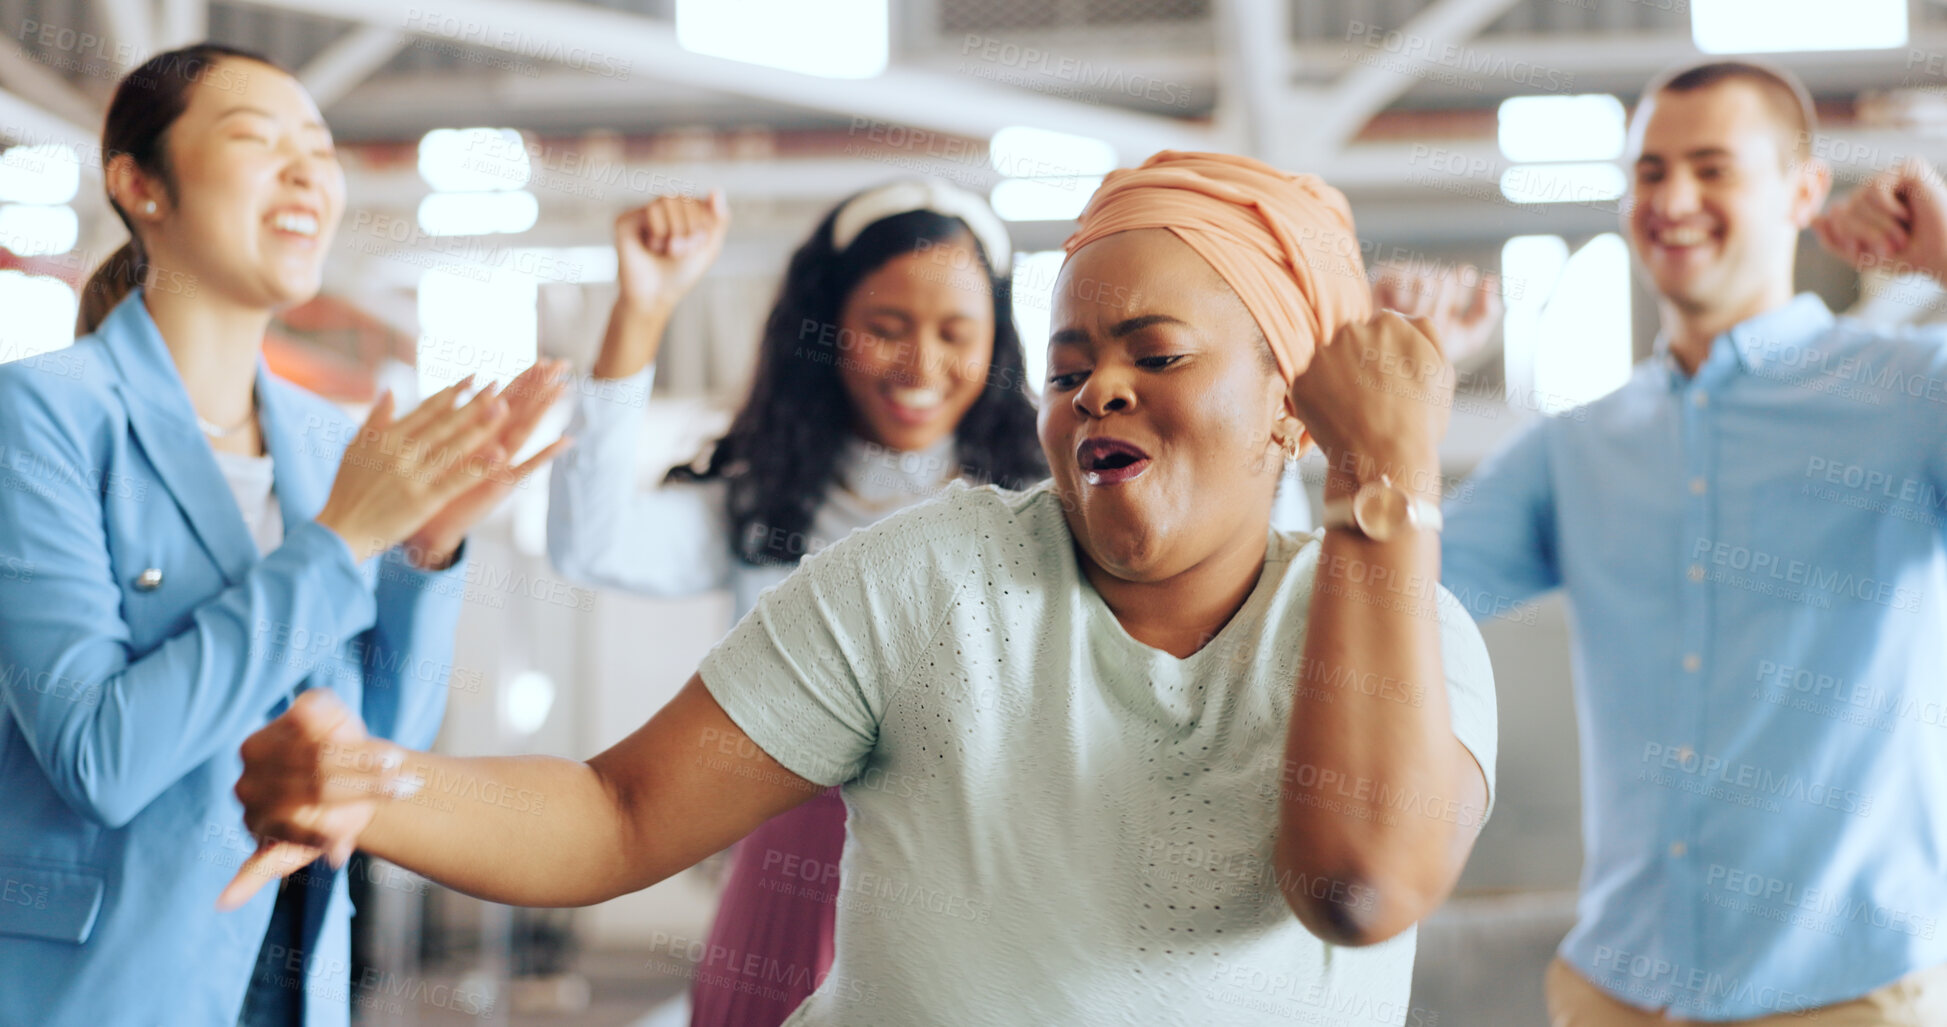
[{"x": 1381, "y": 510}]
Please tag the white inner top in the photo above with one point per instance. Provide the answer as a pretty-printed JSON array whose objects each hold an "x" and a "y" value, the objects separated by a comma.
[{"x": 252, "y": 484}]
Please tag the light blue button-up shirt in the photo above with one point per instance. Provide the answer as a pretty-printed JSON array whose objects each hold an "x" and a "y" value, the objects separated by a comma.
[{"x": 1753, "y": 560}]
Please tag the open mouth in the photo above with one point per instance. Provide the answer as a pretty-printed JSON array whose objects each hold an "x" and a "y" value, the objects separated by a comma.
[
  {"x": 295, "y": 221},
  {"x": 1107, "y": 461},
  {"x": 914, "y": 406},
  {"x": 1681, "y": 237}
]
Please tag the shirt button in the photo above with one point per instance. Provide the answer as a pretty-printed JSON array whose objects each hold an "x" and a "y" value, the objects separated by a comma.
[
  {"x": 1696, "y": 572},
  {"x": 1677, "y": 849},
  {"x": 1691, "y": 661},
  {"x": 1697, "y": 486},
  {"x": 1699, "y": 399}
]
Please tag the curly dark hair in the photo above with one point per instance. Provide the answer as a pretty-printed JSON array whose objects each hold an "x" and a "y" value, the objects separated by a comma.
[{"x": 781, "y": 452}]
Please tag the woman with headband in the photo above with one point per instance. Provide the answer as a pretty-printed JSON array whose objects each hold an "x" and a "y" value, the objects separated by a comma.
[
  {"x": 1114, "y": 749},
  {"x": 192, "y": 542},
  {"x": 889, "y": 366}
]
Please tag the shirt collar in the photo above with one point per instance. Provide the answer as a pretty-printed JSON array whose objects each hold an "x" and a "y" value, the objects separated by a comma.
[
  {"x": 876, "y": 473},
  {"x": 1761, "y": 340},
  {"x": 1781, "y": 332}
]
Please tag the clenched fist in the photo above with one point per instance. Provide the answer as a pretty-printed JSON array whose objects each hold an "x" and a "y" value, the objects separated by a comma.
[
  {"x": 312, "y": 782},
  {"x": 1897, "y": 221},
  {"x": 1377, "y": 399}
]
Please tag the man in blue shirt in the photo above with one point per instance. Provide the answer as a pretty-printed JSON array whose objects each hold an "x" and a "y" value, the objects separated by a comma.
[{"x": 1752, "y": 539}]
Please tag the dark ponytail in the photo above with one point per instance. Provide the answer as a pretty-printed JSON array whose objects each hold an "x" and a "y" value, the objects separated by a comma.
[
  {"x": 110, "y": 284},
  {"x": 147, "y": 101}
]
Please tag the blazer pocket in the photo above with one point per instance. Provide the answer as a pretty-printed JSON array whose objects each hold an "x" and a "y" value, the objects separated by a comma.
[{"x": 58, "y": 905}]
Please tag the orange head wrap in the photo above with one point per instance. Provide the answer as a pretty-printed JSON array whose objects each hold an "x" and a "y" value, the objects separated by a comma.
[{"x": 1283, "y": 241}]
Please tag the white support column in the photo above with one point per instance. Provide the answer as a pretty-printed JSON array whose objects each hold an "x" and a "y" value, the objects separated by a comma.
[
  {"x": 182, "y": 22},
  {"x": 131, "y": 25},
  {"x": 1253, "y": 83}
]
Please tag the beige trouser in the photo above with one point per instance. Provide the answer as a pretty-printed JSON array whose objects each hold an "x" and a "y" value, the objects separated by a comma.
[{"x": 1917, "y": 1000}]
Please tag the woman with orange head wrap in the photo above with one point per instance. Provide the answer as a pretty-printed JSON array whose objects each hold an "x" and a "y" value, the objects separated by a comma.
[
  {"x": 1114, "y": 750},
  {"x": 1282, "y": 241}
]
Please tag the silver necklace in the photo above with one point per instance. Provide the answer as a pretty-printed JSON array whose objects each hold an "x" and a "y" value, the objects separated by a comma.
[{"x": 217, "y": 431}]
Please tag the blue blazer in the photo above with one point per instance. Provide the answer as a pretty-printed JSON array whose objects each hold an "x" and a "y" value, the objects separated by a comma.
[{"x": 142, "y": 638}]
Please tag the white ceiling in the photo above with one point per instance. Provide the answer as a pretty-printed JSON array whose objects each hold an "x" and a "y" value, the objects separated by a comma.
[{"x": 1294, "y": 81}]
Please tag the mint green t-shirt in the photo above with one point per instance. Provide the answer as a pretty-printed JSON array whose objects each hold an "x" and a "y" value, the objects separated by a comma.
[{"x": 1050, "y": 822}]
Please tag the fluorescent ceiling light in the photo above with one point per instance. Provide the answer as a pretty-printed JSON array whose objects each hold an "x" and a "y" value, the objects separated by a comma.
[
  {"x": 46, "y": 174},
  {"x": 1561, "y": 128},
  {"x": 1563, "y": 183},
  {"x": 1778, "y": 26},
  {"x": 474, "y": 160},
  {"x": 1042, "y": 199},
  {"x": 38, "y": 230},
  {"x": 1019, "y": 152},
  {"x": 831, "y": 39},
  {"x": 40, "y": 315}
]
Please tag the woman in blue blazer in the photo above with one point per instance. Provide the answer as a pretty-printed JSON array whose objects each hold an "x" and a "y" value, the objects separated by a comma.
[{"x": 155, "y": 610}]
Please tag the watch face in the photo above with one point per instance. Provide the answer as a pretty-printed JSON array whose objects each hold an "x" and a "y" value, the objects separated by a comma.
[{"x": 1379, "y": 510}]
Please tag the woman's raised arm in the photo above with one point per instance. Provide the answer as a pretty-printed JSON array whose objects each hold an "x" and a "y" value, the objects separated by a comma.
[
  {"x": 603, "y": 529},
  {"x": 1379, "y": 799}
]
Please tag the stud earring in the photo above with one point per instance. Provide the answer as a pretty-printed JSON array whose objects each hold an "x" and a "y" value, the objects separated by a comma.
[{"x": 149, "y": 207}]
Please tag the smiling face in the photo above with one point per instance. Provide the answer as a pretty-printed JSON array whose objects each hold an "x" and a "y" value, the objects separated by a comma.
[
  {"x": 918, "y": 337},
  {"x": 1719, "y": 199},
  {"x": 258, "y": 189},
  {"x": 1160, "y": 408}
]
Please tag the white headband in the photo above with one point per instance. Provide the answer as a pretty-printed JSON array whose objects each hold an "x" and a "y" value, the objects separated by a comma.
[{"x": 903, "y": 197}]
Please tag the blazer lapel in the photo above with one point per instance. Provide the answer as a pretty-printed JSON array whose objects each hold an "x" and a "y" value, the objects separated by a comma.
[
  {"x": 164, "y": 423},
  {"x": 303, "y": 472}
]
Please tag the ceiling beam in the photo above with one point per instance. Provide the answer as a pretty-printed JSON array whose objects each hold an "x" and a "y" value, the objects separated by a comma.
[
  {"x": 568, "y": 178},
  {"x": 37, "y": 84},
  {"x": 613, "y": 44},
  {"x": 349, "y": 60},
  {"x": 23, "y": 122},
  {"x": 1635, "y": 54},
  {"x": 1328, "y": 120},
  {"x": 1587, "y": 53},
  {"x": 1503, "y": 64}
]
